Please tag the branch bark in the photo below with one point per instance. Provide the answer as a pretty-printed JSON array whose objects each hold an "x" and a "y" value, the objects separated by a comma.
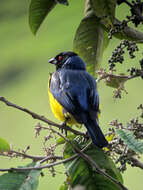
[
  {"x": 40, "y": 117},
  {"x": 35, "y": 158},
  {"x": 136, "y": 163},
  {"x": 39, "y": 167}
]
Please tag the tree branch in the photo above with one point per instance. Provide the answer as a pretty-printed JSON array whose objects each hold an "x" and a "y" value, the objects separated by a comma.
[
  {"x": 40, "y": 117},
  {"x": 104, "y": 75},
  {"x": 129, "y": 33},
  {"x": 136, "y": 163},
  {"x": 47, "y": 165},
  {"x": 80, "y": 152},
  {"x": 99, "y": 170},
  {"x": 39, "y": 167},
  {"x": 14, "y": 153},
  {"x": 90, "y": 161}
]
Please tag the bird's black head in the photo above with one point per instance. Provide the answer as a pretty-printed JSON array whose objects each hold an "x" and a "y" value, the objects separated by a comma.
[{"x": 68, "y": 60}]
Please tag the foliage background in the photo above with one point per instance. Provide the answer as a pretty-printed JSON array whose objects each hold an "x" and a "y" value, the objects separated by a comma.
[{"x": 24, "y": 72}]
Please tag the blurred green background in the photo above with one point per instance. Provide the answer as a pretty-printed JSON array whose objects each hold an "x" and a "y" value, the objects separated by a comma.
[{"x": 24, "y": 72}]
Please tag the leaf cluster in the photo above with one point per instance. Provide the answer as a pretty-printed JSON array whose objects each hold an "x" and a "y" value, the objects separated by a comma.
[
  {"x": 81, "y": 172},
  {"x": 27, "y": 180}
]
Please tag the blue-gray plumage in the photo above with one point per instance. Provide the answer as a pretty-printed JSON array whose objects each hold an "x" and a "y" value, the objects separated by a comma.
[{"x": 76, "y": 90}]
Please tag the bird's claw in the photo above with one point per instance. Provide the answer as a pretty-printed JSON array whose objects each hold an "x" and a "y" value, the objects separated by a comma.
[
  {"x": 63, "y": 128},
  {"x": 86, "y": 137}
]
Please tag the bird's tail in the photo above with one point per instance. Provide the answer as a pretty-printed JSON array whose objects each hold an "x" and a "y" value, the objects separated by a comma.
[{"x": 96, "y": 134}]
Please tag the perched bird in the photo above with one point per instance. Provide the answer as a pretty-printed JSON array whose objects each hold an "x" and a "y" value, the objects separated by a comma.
[{"x": 73, "y": 95}]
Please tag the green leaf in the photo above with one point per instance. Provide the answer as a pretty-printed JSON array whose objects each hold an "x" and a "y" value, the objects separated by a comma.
[
  {"x": 82, "y": 173},
  {"x": 64, "y": 186},
  {"x": 128, "y": 137},
  {"x": 70, "y": 136},
  {"x": 26, "y": 180},
  {"x": 104, "y": 9},
  {"x": 4, "y": 146},
  {"x": 38, "y": 10},
  {"x": 116, "y": 81},
  {"x": 64, "y": 2},
  {"x": 89, "y": 42}
]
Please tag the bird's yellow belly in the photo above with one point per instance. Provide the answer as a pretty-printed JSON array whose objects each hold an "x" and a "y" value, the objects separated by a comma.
[{"x": 57, "y": 110}]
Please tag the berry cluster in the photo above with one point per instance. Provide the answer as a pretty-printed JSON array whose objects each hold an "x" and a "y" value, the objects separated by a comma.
[
  {"x": 140, "y": 107},
  {"x": 123, "y": 160},
  {"x": 141, "y": 63},
  {"x": 134, "y": 72},
  {"x": 136, "y": 9},
  {"x": 121, "y": 153},
  {"x": 118, "y": 27},
  {"x": 117, "y": 54},
  {"x": 136, "y": 12}
]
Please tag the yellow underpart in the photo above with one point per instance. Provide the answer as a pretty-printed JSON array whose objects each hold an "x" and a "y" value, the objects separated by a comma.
[{"x": 57, "y": 110}]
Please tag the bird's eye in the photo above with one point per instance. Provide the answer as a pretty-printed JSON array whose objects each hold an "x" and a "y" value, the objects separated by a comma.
[{"x": 60, "y": 58}]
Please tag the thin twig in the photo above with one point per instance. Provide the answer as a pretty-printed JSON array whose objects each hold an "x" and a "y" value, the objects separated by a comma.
[
  {"x": 47, "y": 165},
  {"x": 136, "y": 162},
  {"x": 42, "y": 159},
  {"x": 40, "y": 117},
  {"x": 40, "y": 167},
  {"x": 103, "y": 75},
  {"x": 35, "y": 158},
  {"x": 51, "y": 158}
]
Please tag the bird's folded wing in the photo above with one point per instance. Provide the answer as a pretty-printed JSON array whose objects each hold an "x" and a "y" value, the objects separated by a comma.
[{"x": 74, "y": 90}]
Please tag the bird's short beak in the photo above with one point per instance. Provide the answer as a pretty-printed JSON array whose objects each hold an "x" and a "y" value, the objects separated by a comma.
[{"x": 53, "y": 61}]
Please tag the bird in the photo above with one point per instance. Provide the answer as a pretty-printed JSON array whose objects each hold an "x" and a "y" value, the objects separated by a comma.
[{"x": 73, "y": 95}]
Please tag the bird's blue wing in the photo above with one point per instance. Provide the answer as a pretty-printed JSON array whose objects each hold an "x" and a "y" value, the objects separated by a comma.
[{"x": 75, "y": 91}]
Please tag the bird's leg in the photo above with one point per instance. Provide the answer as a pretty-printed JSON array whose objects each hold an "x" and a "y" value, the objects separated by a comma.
[
  {"x": 64, "y": 126},
  {"x": 86, "y": 137}
]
